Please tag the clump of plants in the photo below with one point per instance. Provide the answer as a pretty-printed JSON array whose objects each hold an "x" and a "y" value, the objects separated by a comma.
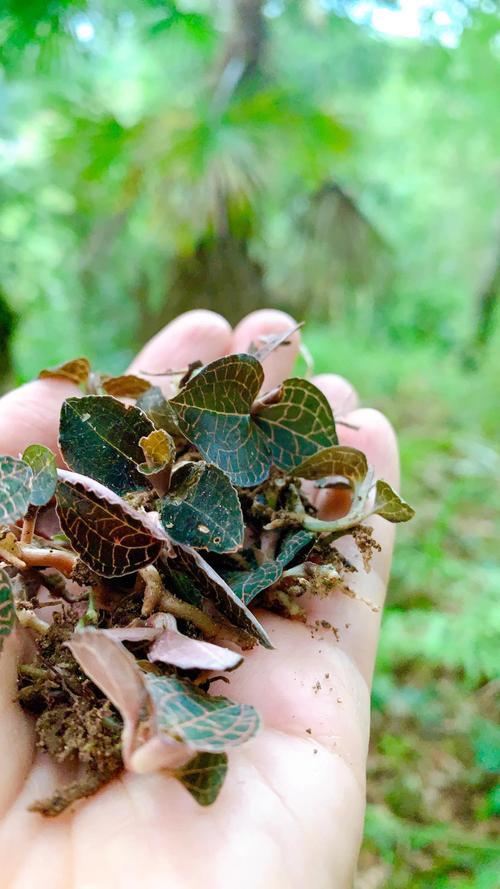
[{"x": 135, "y": 570}]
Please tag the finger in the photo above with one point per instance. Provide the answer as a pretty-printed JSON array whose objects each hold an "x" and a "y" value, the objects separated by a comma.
[
  {"x": 343, "y": 398},
  {"x": 30, "y": 415},
  {"x": 340, "y": 393},
  {"x": 357, "y": 622},
  {"x": 199, "y": 334},
  {"x": 266, "y": 322}
]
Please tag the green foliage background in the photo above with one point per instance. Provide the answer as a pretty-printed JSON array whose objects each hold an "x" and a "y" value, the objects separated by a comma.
[{"x": 157, "y": 155}]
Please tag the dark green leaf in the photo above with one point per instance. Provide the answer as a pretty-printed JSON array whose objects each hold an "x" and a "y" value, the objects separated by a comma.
[
  {"x": 7, "y": 610},
  {"x": 294, "y": 542},
  {"x": 203, "y": 776},
  {"x": 204, "y": 722},
  {"x": 159, "y": 450},
  {"x": 213, "y": 587},
  {"x": 247, "y": 584},
  {"x": 77, "y": 371},
  {"x": 339, "y": 460},
  {"x": 110, "y": 536},
  {"x": 42, "y": 462},
  {"x": 125, "y": 386},
  {"x": 214, "y": 414},
  {"x": 159, "y": 410},
  {"x": 202, "y": 509},
  {"x": 297, "y": 425},
  {"x": 15, "y": 484},
  {"x": 390, "y": 505},
  {"x": 99, "y": 437}
]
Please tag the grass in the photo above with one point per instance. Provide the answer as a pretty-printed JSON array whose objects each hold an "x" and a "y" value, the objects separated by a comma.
[{"x": 435, "y": 747}]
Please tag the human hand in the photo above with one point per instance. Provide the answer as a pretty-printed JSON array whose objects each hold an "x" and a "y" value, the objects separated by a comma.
[{"x": 290, "y": 813}]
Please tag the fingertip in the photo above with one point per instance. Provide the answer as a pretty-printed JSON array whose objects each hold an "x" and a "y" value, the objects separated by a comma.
[
  {"x": 198, "y": 334},
  {"x": 340, "y": 393},
  {"x": 30, "y": 414},
  {"x": 375, "y": 436},
  {"x": 263, "y": 323}
]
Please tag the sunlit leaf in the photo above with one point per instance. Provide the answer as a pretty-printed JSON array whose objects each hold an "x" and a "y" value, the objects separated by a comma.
[
  {"x": 203, "y": 722},
  {"x": 159, "y": 410},
  {"x": 203, "y": 776},
  {"x": 7, "y": 610},
  {"x": 111, "y": 537},
  {"x": 299, "y": 424},
  {"x": 15, "y": 489},
  {"x": 172, "y": 647},
  {"x": 214, "y": 414},
  {"x": 213, "y": 587},
  {"x": 202, "y": 509},
  {"x": 115, "y": 671},
  {"x": 159, "y": 451},
  {"x": 99, "y": 436},
  {"x": 42, "y": 463},
  {"x": 77, "y": 370},
  {"x": 339, "y": 460},
  {"x": 125, "y": 386},
  {"x": 247, "y": 584},
  {"x": 390, "y": 505}
]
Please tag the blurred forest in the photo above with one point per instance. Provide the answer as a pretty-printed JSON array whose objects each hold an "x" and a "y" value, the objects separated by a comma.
[{"x": 339, "y": 159}]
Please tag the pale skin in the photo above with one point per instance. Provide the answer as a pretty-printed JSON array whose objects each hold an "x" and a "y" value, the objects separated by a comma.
[{"x": 290, "y": 814}]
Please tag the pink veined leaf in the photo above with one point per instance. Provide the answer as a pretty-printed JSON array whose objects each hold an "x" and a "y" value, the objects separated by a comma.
[
  {"x": 181, "y": 651},
  {"x": 115, "y": 671}
]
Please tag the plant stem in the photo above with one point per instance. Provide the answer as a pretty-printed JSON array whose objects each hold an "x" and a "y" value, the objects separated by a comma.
[
  {"x": 30, "y": 621},
  {"x": 157, "y": 597},
  {"x": 7, "y": 556},
  {"x": 29, "y": 526},
  {"x": 173, "y": 605},
  {"x": 40, "y": 557},
  {"x": 91, "y": 615}
]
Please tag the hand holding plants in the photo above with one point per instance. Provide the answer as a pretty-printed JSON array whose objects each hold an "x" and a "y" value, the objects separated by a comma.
[{"x": 291, "y": 808}]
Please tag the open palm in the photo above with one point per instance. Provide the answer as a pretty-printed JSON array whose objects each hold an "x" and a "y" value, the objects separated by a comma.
[{"x": 291, "y": 810}]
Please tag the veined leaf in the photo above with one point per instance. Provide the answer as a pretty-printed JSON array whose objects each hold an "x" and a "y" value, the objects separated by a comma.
[
  {"x": 42, "y": 463},
  {"x": 159, "y": 450},
  {"x": 339, "y": 460},
  {"x": 159, "y": 410},
  {"x": 172, "y": 647},
  {"x": 99, "y": 437},
  {"x": 214, "y": 414},
  {"x": 247, "y": 584},
  {"x": 111, "y": 537},
  {"x": 7, "y": 610},
  {"x": 213, "y": 587},
  {"x": 203, "y": 509},
  {"x": 77, "y": 370},
  {"x": 203, "y": 722},
  {"x": 390, "y": 505},
  {"x": 125, "y": 386},
  {"x": 203, "y": 776},
  {"x": 299, "y": 424},
  {"x": 15, "y": 489}
]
